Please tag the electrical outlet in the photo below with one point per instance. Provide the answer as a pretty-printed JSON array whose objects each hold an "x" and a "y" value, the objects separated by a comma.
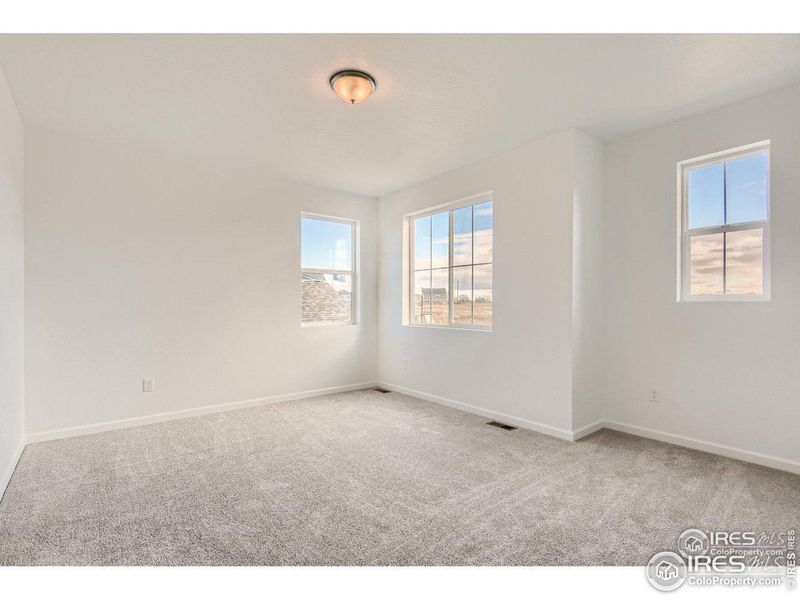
[
  {"x": 653, "y": 395},
  {"x": 148, "y": 385},
  {"x": 405, "y": 364}
]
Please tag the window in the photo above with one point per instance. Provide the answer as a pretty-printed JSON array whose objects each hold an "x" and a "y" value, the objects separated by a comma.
[
  {"x": 327, "y": 272},
  {"x": 449, "y": 253},
  {"x": 724, "y": 239}
]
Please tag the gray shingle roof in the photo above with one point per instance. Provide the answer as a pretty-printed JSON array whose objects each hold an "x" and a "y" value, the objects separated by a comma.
[{"x": 323, "y": 303}]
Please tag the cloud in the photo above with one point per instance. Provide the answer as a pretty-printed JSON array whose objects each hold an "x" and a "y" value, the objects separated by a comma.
[{"x": 741, "y": 260}]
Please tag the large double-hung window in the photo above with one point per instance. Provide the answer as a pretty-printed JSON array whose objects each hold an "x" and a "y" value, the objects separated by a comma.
[{"x": 450, "y": 264}]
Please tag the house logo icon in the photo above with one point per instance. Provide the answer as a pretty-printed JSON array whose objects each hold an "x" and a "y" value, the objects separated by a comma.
[
  {"x": 693, "y": 542},
  {"x": 666, "y": 571}
]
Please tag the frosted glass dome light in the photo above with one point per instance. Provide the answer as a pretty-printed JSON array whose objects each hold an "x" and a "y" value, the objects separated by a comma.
[{"x": 352, "y": 86}]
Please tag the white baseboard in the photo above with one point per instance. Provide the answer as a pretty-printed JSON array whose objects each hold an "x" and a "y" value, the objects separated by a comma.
[
  {"x": 679, "y": 440},
  {"x": 55, "y": 434},
  {"x": 582, "y": 432},
  {"x": 477, "y": 410},
  {"x": 758, "y": 458},
  {"x": 5, "y": 477}
]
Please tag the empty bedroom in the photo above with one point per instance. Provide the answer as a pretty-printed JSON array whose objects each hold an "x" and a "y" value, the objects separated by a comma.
[{"x": 369, "y": 300}]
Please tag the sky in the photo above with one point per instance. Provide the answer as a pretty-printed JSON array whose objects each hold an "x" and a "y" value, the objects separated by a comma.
[
  {"x": 738, "y": 188},
  {"x": 326, "y": 244},
  {"x": 743, "y": 261},
  {"x": 746, "y": 192},
  {"x": 433, "y": 253}
]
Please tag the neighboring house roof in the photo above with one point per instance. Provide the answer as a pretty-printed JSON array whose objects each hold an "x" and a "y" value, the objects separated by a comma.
[{"x": 322, "y": 303}]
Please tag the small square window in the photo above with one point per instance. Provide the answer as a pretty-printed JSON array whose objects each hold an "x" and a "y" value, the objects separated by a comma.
[{"x": 724, "y": 201}]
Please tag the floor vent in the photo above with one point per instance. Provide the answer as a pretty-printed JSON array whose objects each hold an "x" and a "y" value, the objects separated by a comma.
[
  {"x": 501, "y": 425},
  {"x": 381, "y": 390}
]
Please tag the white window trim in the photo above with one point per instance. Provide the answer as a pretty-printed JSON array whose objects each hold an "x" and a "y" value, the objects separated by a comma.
[
  {"x": 355, "y": 295},
  {"x": 409, "y": 257},
  {"x": 685, "y": 234}
]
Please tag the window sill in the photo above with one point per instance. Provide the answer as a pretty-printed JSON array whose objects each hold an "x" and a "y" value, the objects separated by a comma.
[
  {"x": 449, "y": 327},
  {"x": 726, "y": 299},
  {"x": 314, "y": 324}
]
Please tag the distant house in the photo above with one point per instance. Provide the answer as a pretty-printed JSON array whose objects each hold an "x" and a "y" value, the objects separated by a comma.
[{"x": 435, "y": 295}]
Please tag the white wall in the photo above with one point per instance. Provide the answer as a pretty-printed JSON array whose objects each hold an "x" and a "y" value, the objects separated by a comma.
[
  {"x": 523, "y": 367},
  {"x": 12, "y": 383},
  {"x": 588, "y": 403},
  {"x": 145, "y": 265},
  {"x": 725, "y": 373},
  {"x": 151, "y": 265}
]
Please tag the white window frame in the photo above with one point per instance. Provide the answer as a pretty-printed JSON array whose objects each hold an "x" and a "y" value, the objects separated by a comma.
[
  {"x": 409, "y": 257},
  {"x": 354, "y": 295},
  {"x": 685, "y": 234}
]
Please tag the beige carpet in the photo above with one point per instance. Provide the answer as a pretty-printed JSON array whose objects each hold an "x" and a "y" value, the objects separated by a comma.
[{"x": 366, "y": 478}]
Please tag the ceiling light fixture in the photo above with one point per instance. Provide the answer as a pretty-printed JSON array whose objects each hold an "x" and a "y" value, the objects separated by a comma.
[{"x": 352, "y": 86}]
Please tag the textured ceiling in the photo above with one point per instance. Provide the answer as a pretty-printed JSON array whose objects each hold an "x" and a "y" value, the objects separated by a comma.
[{"x": 442, "y": 100}]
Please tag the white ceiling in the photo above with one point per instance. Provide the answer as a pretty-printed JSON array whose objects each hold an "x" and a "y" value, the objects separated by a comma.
[{"x": 442, "y": 100}]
